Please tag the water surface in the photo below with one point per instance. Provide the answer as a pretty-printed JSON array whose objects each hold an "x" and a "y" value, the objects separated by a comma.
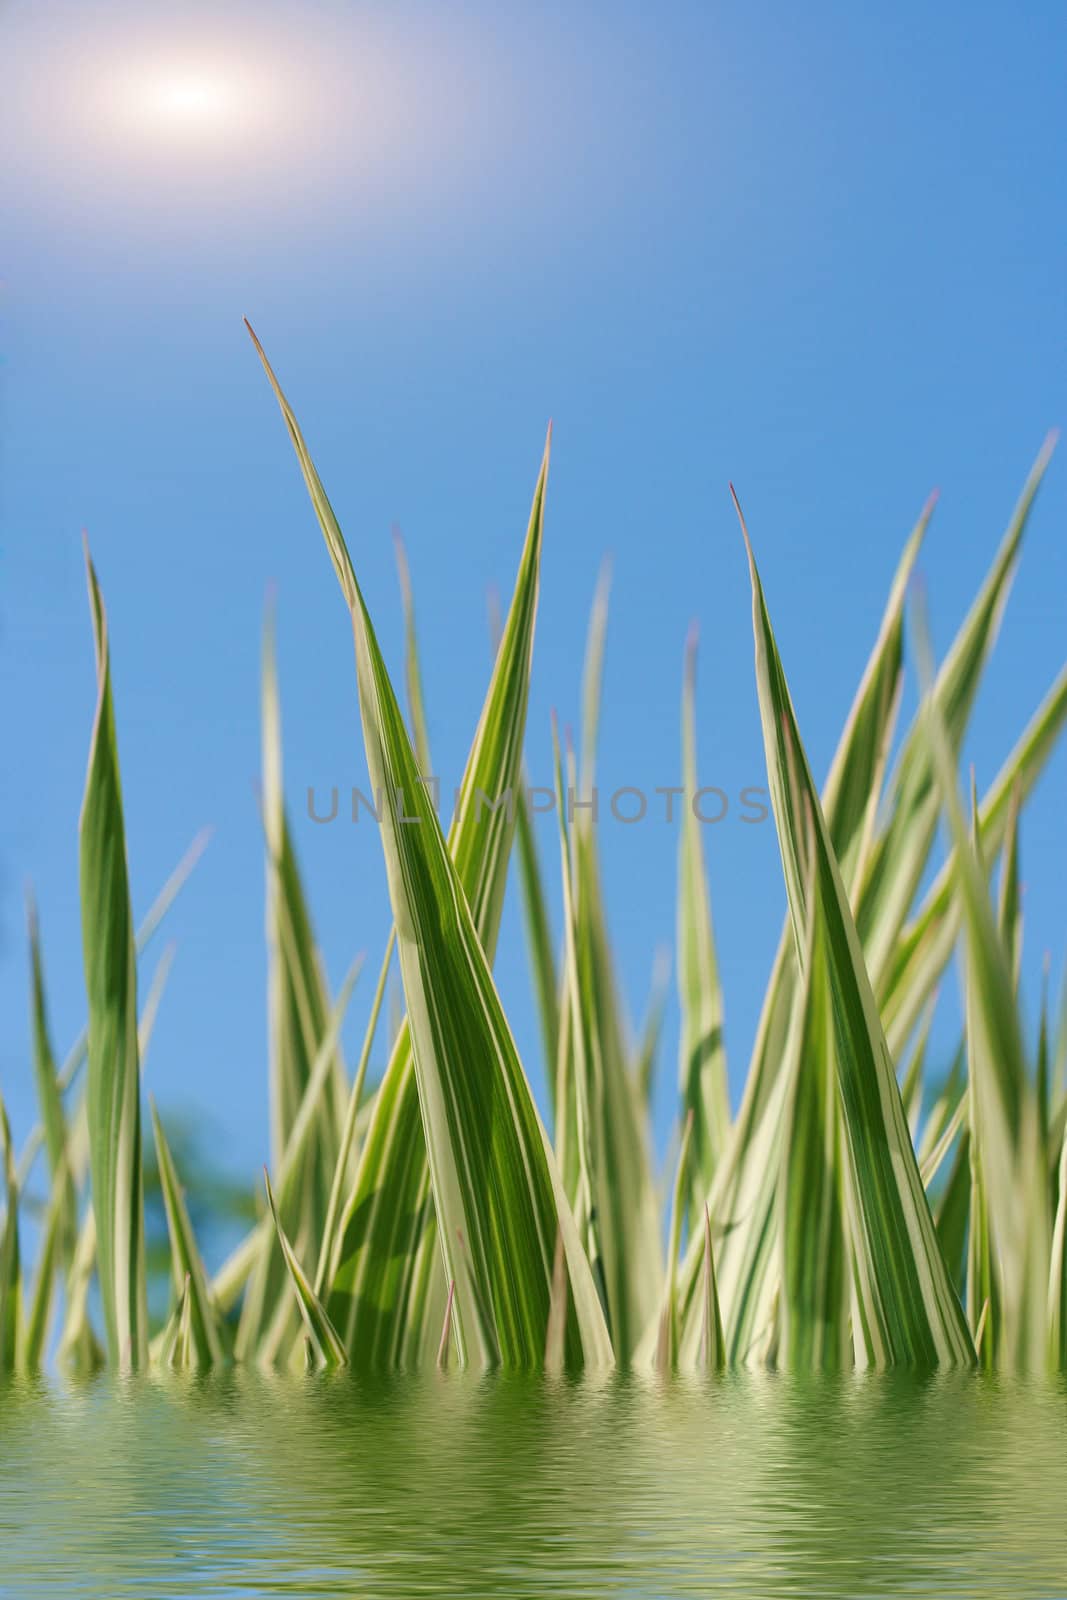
[{"x": 235, "y": 1485}]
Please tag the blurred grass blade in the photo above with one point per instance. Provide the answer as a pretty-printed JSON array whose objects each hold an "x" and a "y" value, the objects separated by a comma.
[
  {"x": 1057, "y": 1290},
  {"x": 346, "y": 1146},
  {"x": 624, "y": 1192},
  {"x": 205, "y": 1339},
  {"x": 652, "y": 1032},
  {"x": 298, "y": 1013},
  {"x": 157, "y": 911},
  {"x": 48, "y": 1260},
  {"x": 900, "y": 854},
  {"x": 703, "y": 1080},
  {"x": 924, "y": 947},
  {"x": 79, "y": 1351},
  {"x": 712, "y": 1344},
  {"x": 667, "y": 1343},
  {"x": 49, "y": 1098},
  {"x": 111, "y": 986},
  {"x": 324, "y": 1337},
  {"x": 910, "y": 1312},
  {"x": 10, "y": 1269}
]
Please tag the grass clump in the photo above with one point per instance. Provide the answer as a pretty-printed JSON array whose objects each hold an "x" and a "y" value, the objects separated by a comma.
[{"x": 852, "y": 1213}]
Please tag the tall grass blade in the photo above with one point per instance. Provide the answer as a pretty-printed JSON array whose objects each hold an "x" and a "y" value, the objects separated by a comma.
[
  {"x": 111, "y": 984},
  {"x": 703, "y": 1080},
  {"x": 412, "y": 673},
  {"x": 10, "y": 1267},
  {"x": 493, "y": 1176},
  {"x": 744, "y": 1199},
  {"x": 815, "y": 1335},
  {"x": 910, "y": 1312},
  {"x": 49, "y": 1098},
  {"x": 1010, "y": 1228}
]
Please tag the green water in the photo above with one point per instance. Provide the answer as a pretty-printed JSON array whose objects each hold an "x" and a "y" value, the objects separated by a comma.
[{"x": 757, "y": 1485}]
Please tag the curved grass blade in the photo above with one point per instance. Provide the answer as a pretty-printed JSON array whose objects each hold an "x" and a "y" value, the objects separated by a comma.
[
  {"x": 924, "y": 947},
  {"x": 326, "y": 1341},
  {"x": 154, "y": 916},
  {"x": 205, "y": 1345},
  {"x": 900, "y": 854},
  {"x": 910, "y": 1312},
  {"x": 743, "y": 1202},
  {"x": 493, "y": 1176},
  {"x": 494, "y": 1180},
  {"x": 328, "y": 1246},
  {"x": 111, "y": 984}
]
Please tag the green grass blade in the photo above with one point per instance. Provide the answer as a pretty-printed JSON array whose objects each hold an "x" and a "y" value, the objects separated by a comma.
[
  {"x": 157, "y": 911},
  {"x": 582, "y": 1056},
  {"x": 329, "y": 1350},
  {"x": 48, "y": 1260},
  {"x": 493, "y": 1177},
  {"x": 10, "y": 1268},
  {"x": 900, "y": 854},
  {"x": 111, "y": 985},
  {"x": 538, "y": 936},
  {"x": 79, "y": 1352},
  {"x": 702, "y": 1051},
  {"x": 1057, "y": 1289},
  {"x": 712, "y": 1344},
  {"x": 815, "y": 1334},
  {"x": 412, "y": 673},
  {"x": 49, "y": 1097},
  {"x": 910, "y": 1310},
  {"x": 744, "y": 1199},
  {"x": 624, "y": 1191},
  {"x": 925, "y": 946},
  {"x": 379, "y": 1305},
  {"x": 652, "y": 1031},
  {"x": 1010, "y": 1228},
  {"x": 205, "y": 1340},
  {"x": 347, "y": 1143},
  {"x": 667, "y": 1343}
]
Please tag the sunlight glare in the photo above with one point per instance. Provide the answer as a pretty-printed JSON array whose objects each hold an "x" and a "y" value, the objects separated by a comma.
[{"x": 188, "y": 102}]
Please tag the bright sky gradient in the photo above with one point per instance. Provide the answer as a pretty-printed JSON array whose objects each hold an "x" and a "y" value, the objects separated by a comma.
[{"x": 819, "y": 250}]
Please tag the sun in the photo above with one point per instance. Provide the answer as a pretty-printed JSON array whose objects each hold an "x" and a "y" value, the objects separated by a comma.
[
  {"x": 192, "y": 99},
  {"x": 188, "y": 103}
]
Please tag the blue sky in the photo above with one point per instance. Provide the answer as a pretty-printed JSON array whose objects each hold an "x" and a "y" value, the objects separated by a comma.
[{"x": 819, "y": 251}]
